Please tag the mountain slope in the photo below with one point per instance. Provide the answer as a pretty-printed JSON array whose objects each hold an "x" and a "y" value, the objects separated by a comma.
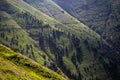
[
  {"x": 101, "y": 16},
  {"x": 74, "y": 48},
  {"x": 76, "y": 28},
  {"x": 15, "y": 37},
  {"x": 50, "y": 8},
  {"x": 14, "y": 66}
]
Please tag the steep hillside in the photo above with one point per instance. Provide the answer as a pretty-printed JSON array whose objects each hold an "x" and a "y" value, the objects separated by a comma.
[
  {"x": 71, "y": 47},
  {"x": 52, "y": 9},
  {"x": 13, "y": 36},
  {"x": 74, "y": 28},
  {"x": 14, "y": 66},
  {"x": 102, "y": 16}
]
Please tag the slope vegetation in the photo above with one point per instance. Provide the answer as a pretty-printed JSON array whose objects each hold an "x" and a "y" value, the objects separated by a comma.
[
  {"x": 72, "y": 48},
  {"x": 15, "y": 37},
  {"x": 101, "y": 16},
  {"x": 14, "y": 66}
]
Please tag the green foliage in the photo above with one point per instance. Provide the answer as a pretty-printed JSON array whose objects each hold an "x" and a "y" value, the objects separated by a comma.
[
  {"x": 23, "y": 67},
  {"x": 60, "y": 42},
  {"x": 16, "y": 38},
  {"x": 101, "y": 16}
]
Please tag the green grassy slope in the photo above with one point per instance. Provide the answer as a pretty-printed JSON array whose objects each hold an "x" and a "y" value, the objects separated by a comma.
[
  {"x": 74, "y": 28},
  {"x": 14, "y": 66},
  {"x": 78, "y": 51},
  {"x": 52, "y": 9},
  {"x": 15, "y": 37}
]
